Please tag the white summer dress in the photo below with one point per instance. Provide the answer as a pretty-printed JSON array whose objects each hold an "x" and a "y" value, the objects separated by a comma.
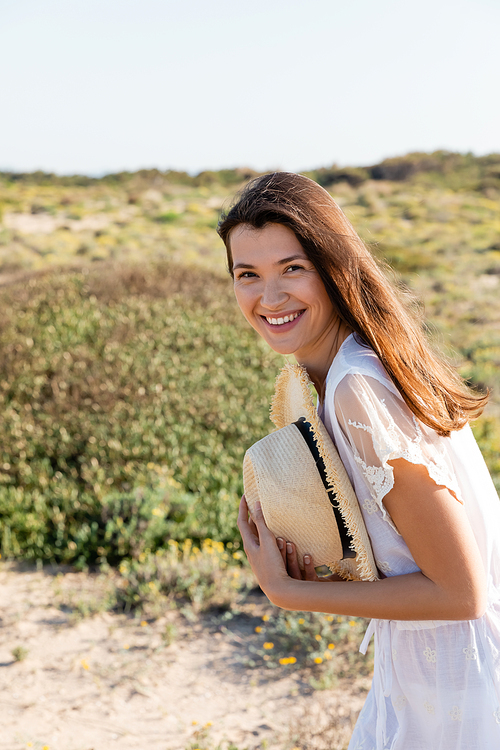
[{"x": 436, "y": 684}]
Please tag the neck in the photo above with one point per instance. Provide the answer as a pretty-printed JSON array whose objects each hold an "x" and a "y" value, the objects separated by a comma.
[{"x": 318, "y": 363}]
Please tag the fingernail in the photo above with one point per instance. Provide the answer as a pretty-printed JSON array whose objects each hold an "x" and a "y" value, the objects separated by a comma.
[
  {"x": 307, "y": 559},
  {"x": 280, "y": 543},
  {"x": 289, "y": 548}
]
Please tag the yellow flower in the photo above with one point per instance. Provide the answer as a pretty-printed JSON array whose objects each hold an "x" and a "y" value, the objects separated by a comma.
[
  {"x": 194, "y": 722},
  {"x": 339, "y": 619},
  {"x": 328, "y": 655},
  {"x": 143, "y": 623},
  {"x": 29, "y": 744},
  {"x": 156, "y": 512},
  {"x": 265, "y": 618},
  {"x": 288, "y": 660},
  {"x": 329, "y": 618},
  {"x": 268, "y": 645},
  {"x": 318, "y": 637},
  {"x": 331, "y": 646},
  {"x": 258, "y": 629},
  {"x": 84, "y": 664},
  {"x": 318, "y": 660},
  {"x": 152, "y": 585},
  {"x": 352, "y": 623},
  {"x": 208, "y": 724},
  {"x": 45, "y": 747},
  {"x": 301, "y": 621},
  {"x": 126, "y": 646}
]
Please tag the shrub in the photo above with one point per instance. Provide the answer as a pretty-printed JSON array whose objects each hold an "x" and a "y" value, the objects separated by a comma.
[
  {"x": 106, "y": 376},
  {"x": 202, "y": 577}
]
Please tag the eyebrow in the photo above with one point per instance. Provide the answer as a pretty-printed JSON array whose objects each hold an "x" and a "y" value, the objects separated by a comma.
[{"x": 281, "y": 262}]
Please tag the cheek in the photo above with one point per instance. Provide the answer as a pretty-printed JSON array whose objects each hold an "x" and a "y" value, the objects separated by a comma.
[
  {"x": 244, "y": 302},
  {"x": 324, "y": 300}
]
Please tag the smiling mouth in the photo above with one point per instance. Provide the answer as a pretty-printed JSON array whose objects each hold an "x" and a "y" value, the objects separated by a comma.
[{"x": 283, "y": 320}]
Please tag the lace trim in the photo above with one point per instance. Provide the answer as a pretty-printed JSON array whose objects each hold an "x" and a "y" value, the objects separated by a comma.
[{"x": 388, "y": 447}]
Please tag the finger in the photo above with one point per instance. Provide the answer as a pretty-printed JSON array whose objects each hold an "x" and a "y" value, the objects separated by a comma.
[
  {"x": 259, "y": 520},
  {"x": 243, "y": 513},
  {"x": 248, "y": 534},
  {"x": 309, "y": 569},
  {"x": 253, "y": 527},
  {"x": 246, "y": 517},
  {"x": 292, "y": 563},
  {"x": 282, "y": 548}
]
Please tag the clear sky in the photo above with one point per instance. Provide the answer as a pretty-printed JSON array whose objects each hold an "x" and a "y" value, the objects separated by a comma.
[{"x": 95, "y": 86}]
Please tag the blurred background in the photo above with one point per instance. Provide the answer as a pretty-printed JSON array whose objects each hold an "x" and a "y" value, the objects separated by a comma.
[
  {"x": 130, "y": 385},
  {"x": 127, "y": 376}
]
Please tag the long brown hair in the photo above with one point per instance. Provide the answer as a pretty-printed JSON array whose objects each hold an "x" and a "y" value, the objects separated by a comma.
[{"x": 360, "y": 292}]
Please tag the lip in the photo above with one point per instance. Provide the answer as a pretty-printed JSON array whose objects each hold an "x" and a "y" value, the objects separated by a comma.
[{"x": 284, "y": 326}]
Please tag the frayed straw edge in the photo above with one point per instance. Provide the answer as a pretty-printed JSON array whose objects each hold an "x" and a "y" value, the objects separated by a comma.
[{"x": 363, "y": 566}]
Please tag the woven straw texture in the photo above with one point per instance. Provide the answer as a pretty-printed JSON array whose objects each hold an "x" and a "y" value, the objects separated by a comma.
[
  {"x": 280, "y": 471},
  {"x": 267, "y": 477}
]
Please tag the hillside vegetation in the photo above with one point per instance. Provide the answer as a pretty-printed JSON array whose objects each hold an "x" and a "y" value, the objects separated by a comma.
[{"x": 130, "y": 386}]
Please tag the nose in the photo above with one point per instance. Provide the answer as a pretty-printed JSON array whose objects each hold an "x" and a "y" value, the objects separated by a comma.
[{"x": 273, "y": 296}]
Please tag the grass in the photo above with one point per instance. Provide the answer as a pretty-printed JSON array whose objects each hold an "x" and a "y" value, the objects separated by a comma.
[{"x": 20, "y": 653}]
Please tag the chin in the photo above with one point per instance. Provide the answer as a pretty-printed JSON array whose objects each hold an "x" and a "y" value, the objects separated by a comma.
[{"x": 281, "y": 348}]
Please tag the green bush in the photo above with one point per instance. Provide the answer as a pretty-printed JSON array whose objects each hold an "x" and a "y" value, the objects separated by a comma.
[
  {"x": 107, "y": 375},
  {"x": 185, "y": 575},
  {"x": 167, "y": 217}
]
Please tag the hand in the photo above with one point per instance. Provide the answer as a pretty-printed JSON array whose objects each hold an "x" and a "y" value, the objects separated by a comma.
[
  {"x": 262, "y": 550},
  {"x": 272, "y": 565},
  {"x": 290, "y": 560}
]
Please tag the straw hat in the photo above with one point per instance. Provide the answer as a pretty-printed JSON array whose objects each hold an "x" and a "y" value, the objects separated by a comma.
[{"x": 300, "y": 481}]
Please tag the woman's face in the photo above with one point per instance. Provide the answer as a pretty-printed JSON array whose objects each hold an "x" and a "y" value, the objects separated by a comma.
[{"x": 279, "y": 291}]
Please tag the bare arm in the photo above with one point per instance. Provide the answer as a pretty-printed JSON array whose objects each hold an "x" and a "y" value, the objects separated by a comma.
[{"x": 435, "y": 527}]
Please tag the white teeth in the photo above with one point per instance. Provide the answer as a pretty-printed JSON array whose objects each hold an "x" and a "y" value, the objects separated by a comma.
[{"x": 280, "y": 321}]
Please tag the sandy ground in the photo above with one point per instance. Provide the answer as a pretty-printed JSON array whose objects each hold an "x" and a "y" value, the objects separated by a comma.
[{"x": 109, "y": 681}]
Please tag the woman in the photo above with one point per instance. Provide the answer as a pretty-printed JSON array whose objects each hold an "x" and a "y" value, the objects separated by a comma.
[{"x": 399, "y": 418}]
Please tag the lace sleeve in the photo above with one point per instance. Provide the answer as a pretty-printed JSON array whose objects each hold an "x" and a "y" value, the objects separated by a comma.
[{"x": 379, "y": 427}]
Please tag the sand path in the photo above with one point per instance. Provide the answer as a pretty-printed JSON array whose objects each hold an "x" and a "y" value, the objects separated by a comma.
[{"x": 109, "y": 682}]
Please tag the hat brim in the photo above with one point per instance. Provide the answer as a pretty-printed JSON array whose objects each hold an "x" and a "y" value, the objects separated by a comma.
[{"x": 282, "y": 473}]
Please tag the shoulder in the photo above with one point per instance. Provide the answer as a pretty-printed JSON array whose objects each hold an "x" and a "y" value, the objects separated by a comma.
[{"x": 356, "y": 364}]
